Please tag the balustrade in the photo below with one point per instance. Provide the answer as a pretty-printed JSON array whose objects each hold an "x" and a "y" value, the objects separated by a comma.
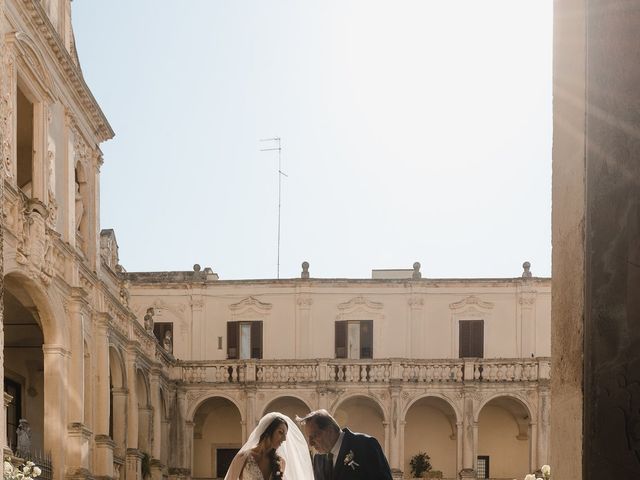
[{"x": 364, "y": 371}]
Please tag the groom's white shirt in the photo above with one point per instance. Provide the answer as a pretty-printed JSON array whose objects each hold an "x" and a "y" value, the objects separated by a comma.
[{"x": 336, "y": 448}]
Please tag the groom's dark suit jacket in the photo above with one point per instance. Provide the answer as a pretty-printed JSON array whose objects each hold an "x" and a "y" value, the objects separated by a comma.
[{"x": 367, "y": 453}]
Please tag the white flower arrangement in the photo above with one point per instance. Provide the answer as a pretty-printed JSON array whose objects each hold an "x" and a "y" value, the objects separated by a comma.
[
  {"x": 545, "y": 470},
  {"x": 27, "y": 471}
]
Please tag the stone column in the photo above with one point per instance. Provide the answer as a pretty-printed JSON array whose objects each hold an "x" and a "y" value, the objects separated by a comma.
[
  {"x": 132, "y": 404},
  {"x": 469, "y": 438},
  {"x": 568, "y": 236},
  {"x": 182, "y": 457},
  {"x": 387, "y": 438},
  {"x": 188, "y": 446},
  {"x": 104, "y": 444},
  {"x": 145, "y": 417},
  {"x": 533, "y": 447},
  {"x": 120, "y": 412},
  {"x": 156, "y": 417},
  {"x": 459, "y": 439},
  {"x": 395, "y": 440},
  {"x": 544, "y": 404},
  {"x": 56, "y": 381},
  {"x": 77, "y": 312},
  {"x": 250, "y": 408},
  {"x": 102, "y": 375}
]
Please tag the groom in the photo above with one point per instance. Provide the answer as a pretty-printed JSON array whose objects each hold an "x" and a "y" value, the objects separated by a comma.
[{"x": 342, "y": 454}]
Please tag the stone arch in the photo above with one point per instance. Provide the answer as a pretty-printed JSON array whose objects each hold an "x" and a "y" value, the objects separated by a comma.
[
  {"x": 430, "y": 425},
  {"x": 290, "y": 405},
  {"x": 362, "y": 413},
  {"x": 444, "y": 398},
  {"x": 50, "y": 313},
  {"x": 514, "y": 396},
  {"x": 503, "y": 424},
  {"x": 117, "y": 367},
  {"x": 193, "y": 408},
  {"x": 217, "y": 434},
  {"x": 341, "y": 400}
]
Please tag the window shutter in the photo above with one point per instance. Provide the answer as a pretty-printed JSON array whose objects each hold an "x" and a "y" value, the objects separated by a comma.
[
  {"x": 366, "y": 339},
  {"x": 232, "y": 339},
  {"x": 256, "y": 339},
  {"x": 477, "y": 338},
  {"x": 341, "y": 339},
  {"x": 464, "y": 338}
]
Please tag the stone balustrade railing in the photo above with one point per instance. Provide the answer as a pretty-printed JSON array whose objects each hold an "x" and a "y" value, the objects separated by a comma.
[{"x": 363, "y": 371}]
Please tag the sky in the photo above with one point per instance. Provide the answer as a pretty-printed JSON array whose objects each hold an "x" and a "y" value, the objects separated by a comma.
[{"x": 411, "y": 131}]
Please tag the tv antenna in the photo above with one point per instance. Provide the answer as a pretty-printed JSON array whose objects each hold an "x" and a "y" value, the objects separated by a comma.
[{"x": 278, "y": 148}]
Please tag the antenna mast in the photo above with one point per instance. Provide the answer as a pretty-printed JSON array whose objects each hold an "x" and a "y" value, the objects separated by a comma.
[{"x": 280, "y": 175}]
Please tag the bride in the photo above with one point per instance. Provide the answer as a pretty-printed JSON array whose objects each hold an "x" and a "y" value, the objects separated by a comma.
[{"x": 276, "y": 449}]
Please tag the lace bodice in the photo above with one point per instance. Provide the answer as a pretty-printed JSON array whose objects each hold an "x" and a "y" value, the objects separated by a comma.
[{"x": 251, "y": 470}]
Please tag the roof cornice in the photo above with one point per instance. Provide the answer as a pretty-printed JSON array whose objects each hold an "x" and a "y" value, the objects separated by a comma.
[{"x": 85, "y": 98}]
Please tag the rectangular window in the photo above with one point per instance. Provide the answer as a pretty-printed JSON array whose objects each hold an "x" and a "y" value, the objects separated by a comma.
[
  {"x": 160, "y": 330},
  {"x": 483, "y": 466},
  {"x": 471, "y": 338},
  {"x": 24, "y": 143},
  {"x": 244, "y": 340},
  {"x": 354, "y": 339}
]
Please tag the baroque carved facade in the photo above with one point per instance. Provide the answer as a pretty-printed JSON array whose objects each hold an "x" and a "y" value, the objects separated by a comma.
[{"x": 111, "y": 367}]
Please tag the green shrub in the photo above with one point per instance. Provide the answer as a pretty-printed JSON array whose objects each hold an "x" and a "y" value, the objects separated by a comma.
[{"x": 420, "y": 464}]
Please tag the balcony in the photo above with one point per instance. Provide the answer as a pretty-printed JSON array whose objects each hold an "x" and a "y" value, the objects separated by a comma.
[{"x": 451, "y": 371}]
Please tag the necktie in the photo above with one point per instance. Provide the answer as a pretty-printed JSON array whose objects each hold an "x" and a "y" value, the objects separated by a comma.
[{"x": 328, "y": 475}]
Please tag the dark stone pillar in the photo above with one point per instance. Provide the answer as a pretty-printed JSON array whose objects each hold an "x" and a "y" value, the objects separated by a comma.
[{"x": 611, "y": 442}]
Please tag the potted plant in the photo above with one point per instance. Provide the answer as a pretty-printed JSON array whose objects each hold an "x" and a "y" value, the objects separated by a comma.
[{"x": 420, "y": 464}]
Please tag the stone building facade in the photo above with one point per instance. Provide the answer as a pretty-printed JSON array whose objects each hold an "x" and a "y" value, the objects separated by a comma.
[
  {"x": 119, "y": 373},
  {"x": 455, "y": 367}
]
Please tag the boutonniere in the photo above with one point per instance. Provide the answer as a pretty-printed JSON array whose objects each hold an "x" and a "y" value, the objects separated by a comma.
[{"x": 349, "y": 460}]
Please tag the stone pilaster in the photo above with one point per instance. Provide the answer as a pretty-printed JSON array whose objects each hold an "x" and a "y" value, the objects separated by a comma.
[
  {"x": 103, "y": 467},
  {"x": 198, "y": 323},
  {"x": 56, "y": 380},
  {"x": 133, "y": 465}
]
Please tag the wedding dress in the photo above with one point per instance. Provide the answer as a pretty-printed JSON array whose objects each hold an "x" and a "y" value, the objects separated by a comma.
[
  {"x": 252, "y": 470},
  {"x": 294, "y": 450}
]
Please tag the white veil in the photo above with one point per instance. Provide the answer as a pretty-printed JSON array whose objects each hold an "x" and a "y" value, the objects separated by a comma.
[{"x": 294, "y": 451}]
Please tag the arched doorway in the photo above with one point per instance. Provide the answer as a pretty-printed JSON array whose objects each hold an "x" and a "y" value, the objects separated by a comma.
[
  {"x": 290, "y": 406},
  {"x": 503, "y": 439},
  {"x": 217, "y": 436},
  {"x": 430, "y": 426},
  {"x": 361, "y": 414},
  {"x": 23, "y": 365},
  {"x": 144, "y": 412}
]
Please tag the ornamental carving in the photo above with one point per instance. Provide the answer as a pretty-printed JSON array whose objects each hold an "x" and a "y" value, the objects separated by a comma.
[
  {"x": 6, "y": 113},
  {"x": 304, "y": 302},
  {"x": 415, "y": 302},
  {"x": 250, "y": 302},
  {"x": 360, "y": 302},
  {"x": 27, "y": 50},
  {"x": 471, "y": 300}
]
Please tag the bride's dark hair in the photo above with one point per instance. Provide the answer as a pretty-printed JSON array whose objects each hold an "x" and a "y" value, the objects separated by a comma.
[{"x": 268, "y": 432}]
